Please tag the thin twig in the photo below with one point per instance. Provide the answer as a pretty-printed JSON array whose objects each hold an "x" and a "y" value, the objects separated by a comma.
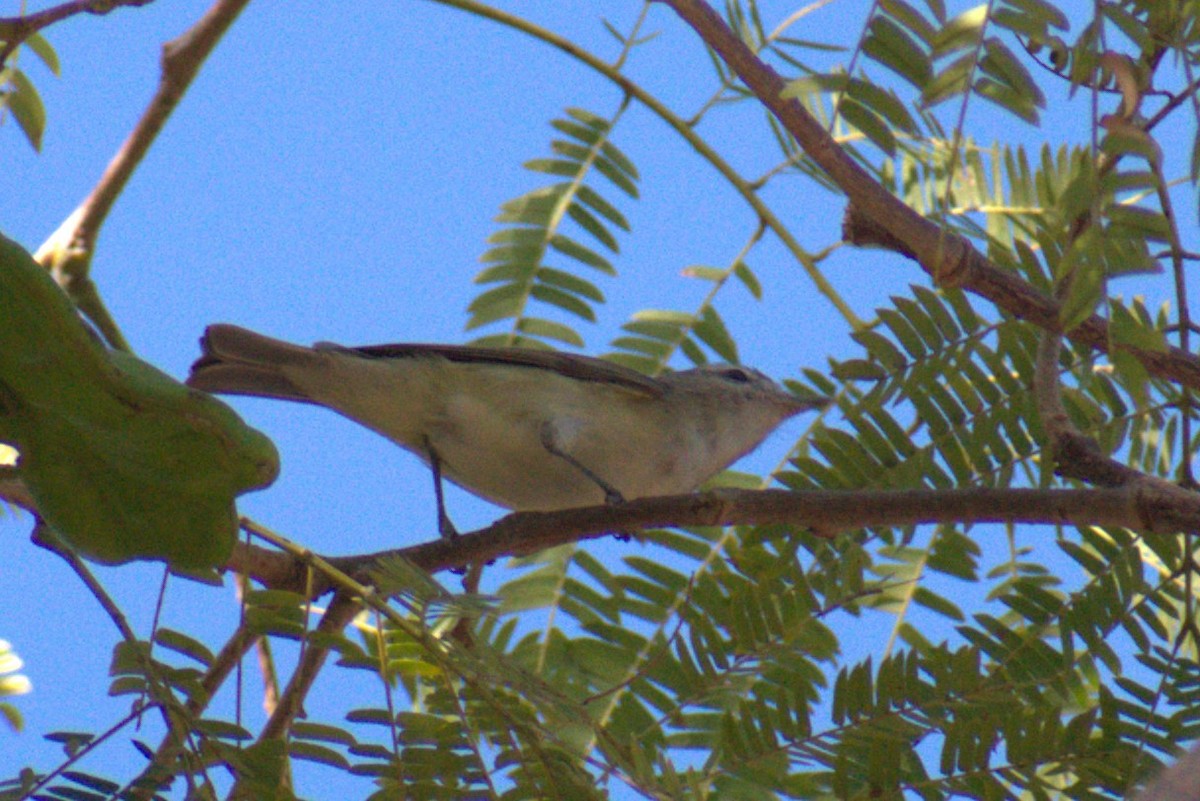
[
  {"x": 14, "y": 31},
  {"x": 67, "y": 254}
]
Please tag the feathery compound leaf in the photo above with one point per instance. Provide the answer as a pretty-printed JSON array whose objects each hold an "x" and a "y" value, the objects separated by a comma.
[{"x": 522, "y": 261}]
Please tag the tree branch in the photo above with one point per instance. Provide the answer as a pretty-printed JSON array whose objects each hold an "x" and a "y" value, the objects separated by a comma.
[
  {"x": 159, "y": 772},
  {"x": 67, "y": 253},
  {"x": 948, "y": 258},
  {"x": 15, "y": 30},
  {"x": 1147, "y": 505},
  {"x": 337, "y": 616}
]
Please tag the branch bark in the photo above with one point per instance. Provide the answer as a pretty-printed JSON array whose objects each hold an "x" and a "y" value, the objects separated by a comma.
[
  {"x": 948, "y": 258},
  {"x": 1148, "y": 505}
]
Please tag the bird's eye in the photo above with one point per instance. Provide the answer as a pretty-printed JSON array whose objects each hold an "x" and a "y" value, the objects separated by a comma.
[{"x": 737, "y": 374}]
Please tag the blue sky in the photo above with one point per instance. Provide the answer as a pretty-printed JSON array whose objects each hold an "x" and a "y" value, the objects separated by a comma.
[{"x": 334, "y": 177}]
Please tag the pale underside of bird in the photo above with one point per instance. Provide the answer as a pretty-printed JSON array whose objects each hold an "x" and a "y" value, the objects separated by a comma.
[{"x": 525, "y": 429}]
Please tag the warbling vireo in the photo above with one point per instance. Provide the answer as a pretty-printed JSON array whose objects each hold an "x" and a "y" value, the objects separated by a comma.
[{"x": 525, "y": 429}]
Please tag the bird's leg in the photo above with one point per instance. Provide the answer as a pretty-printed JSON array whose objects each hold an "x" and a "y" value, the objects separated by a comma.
[
  {"x": 612, "y": 495},
  {"x": 445, "y": 527}
]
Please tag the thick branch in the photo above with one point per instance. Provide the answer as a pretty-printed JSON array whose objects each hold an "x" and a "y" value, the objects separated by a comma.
[
  {"x": 947, "y": 257},
  {"x": 1150, "y": 505}
]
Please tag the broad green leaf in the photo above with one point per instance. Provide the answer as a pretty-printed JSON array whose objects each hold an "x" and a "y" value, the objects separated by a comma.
[
  {"x": 664, "y": 316},
  {"x": 858, "y": 369},
  {"x": 317, "y": 753},
  {"x": 560, "y": 167},
  {"x": 499, "y": 303},
  {"x": 123, "y": 461},
  {"x": 524, "y": 255},
  {"x": 532, "y": 208},
  {"x": 1043, "y": 12},
  {"x": 712, "y": 274}
]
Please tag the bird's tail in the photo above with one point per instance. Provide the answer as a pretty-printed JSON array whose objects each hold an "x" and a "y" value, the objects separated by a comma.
[{"x": 236, "y": 361}]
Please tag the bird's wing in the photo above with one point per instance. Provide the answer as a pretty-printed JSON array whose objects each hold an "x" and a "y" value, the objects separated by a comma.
[{"x": 570, "y": 365}]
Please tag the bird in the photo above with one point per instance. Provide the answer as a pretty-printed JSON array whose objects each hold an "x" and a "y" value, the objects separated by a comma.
[{"x": 526, "y": 429}]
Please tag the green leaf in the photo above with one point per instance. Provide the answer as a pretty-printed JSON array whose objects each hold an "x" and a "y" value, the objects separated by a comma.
[
  {"x": 527, "y": 256},
  {"x": 614, "y": 173},
  {"x": 881, "y": 349},
  {"x": 711, "y": 274},
  {"x": 1143, "y": 223},
  {"x": 569, "y": 247},
  {"x": 961, "y": 32},
  {"x": 1086, "y": 281},
  {"x": 655, "y": 348},
  {"x": 548, "y": 329},
  {"x": 869, "y": 124},
  {"x": 859, "y": 369},
  {"x": 12, "y": 716},
  {"x": 748, "y": 279},
  {"x": 893, "y": 48},
  {"x": 883, "y": 103},
  {"x": 45, "y": 51},
  {"x": 588, "y": 222},
  {"x": 26, "y": 106},
  {"x": 560, "y": 167},
  {"x": 564, "y": 301},
  {"x": 914, "y": 21},
  {"x": 496, "y": 304},
  {"x": 318, "y": 753},
  {"x": 571, "y": 283},
  {"x": 183, "y": 644},
  {"x": 308, "y": 730},
  {"x": 123, "y": 461},
  {"x": 711, "y": 331},
  {"x": 950, "y": 82},
  {"x": 533, "y": 208},
  {"x": 1008, "y": 99},
  {"x": 603, "y": 207}
]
